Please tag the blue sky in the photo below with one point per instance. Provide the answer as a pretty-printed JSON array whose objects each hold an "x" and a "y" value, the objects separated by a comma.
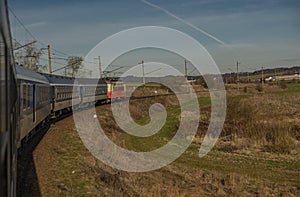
[{"x": 256, "y": 33}]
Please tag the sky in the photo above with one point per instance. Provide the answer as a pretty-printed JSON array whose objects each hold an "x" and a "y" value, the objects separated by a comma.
[{"x": 254, "y": 32}]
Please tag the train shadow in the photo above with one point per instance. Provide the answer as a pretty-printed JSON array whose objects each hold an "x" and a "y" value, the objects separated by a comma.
[{"x": 27, "y": 178}]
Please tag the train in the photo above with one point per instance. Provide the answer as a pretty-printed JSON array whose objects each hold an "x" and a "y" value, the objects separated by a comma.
[
  {"x": 46, "y": 96},
  {"x": 30, "y": 100},
  {"x": 8, "y": 108}
]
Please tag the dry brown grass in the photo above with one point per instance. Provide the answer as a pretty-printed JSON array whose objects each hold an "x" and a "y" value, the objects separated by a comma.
[
  {"x": 269, "y": 121},
  {"x": 66, "y": 168}
]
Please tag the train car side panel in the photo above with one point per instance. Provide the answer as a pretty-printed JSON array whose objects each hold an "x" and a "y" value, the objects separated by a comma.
[{"x": 34, "y": 100}]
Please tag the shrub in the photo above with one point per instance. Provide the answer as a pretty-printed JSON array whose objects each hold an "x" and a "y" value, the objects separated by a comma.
[
  {"x": 259, "y": 88},
  {"x": 248, "y": 118},
  {"x": 282, "y": 85}
]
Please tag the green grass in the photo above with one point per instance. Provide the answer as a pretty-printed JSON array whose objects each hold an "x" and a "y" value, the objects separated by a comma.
[
  {"x": 276, "y": 171},
  {"x": 292, "y": 88},
  {"x": 148, "y": 85},
  {"x": 165, "y": 134},
  {"x": 270, "y": 170},
  {"x": 71, "y": 172}
]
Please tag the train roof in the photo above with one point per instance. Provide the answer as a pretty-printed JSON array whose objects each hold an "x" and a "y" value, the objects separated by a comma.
[
  {"x": 86, "y": 81},
  {"x": 29, "y": 75},
  {"x": 59, "y": 80}
]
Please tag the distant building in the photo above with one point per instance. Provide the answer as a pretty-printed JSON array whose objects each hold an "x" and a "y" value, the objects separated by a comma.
[{"x": 286, "y": 77}]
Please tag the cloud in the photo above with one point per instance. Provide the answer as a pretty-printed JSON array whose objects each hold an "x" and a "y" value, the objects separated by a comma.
[
  {"x": 37, "y": 24},
  {"x": 240, "y": 45},
  {"x": 290, "y": 59}
]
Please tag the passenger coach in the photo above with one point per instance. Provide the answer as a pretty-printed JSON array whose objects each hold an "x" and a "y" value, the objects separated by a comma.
[
  {"x": 92, "y": 91},
  {"x": 34, "y": 99},
  {"x": 62, "y": 91}
]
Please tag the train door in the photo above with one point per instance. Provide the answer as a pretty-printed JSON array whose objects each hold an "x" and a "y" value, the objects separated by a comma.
[{"x": 34, "y": 102}]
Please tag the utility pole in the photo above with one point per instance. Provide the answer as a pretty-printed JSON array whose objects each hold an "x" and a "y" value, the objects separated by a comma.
[
  {"x": 276, "y": 76},
  {"x": 100, "y": 67},
  {"x": 185, "y": 69},
  {"x": 262, "y": 78},
  {"x": 143, "y": 72},
  {"x": 237, "y": 75},
  {"x": 248, "y": 77},
  {"x": 49, "y": 60}
]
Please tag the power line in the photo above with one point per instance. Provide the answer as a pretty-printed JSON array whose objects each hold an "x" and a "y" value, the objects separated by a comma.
[
  {"x": 63, "y": 53},
  {"x": 12, "y": 12},
  {"x": 32, "y": 36},
  {"x": 61, "y": 64}
]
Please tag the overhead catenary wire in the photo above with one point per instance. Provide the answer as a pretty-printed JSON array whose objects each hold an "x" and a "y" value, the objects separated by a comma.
[
  {"x": 21, "y": 23},
  {"x": 31, "y": 34}
]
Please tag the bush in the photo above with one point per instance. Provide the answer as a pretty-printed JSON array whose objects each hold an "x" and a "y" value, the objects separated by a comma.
[
  {"x": 248, "y": 118},
  {"x": 282, "y": 85},
  {"x": 259, "y": 88}
]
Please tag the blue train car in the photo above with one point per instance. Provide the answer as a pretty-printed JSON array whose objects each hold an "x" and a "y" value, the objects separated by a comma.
[
  {"x": 34, "y": 99},
  {"x": 92, "y": 91},
  {"x": 62, "y": 92},
  {"x": 8, "y": 108}
]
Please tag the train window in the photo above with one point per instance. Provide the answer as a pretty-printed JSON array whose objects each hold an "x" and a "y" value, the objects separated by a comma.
[
  {"x": 57, "y": 93},
  {"x": 62, "y": 93},
  {"x": 40, "y": 96},
  {"x": 70, "y": 92},
  {"x": 44, "y": 95},
  {"x": 28, "y": 96},
  {"x": 24, "y": 97},
  {"x": 59, "y": 96}
]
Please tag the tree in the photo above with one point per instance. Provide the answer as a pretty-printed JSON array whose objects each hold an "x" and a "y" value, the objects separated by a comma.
[
  {"x": 74, "y": 64},
  {"x": 31, "y": 57}
]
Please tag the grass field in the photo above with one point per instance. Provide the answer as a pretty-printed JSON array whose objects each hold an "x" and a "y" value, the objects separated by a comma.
[
  {"x": 248, "y": 117},
  {"x": 257, "y": 154}
]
